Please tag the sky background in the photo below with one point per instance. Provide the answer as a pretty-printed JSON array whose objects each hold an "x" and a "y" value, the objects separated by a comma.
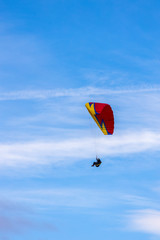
[{"x": 54, "y": 57}]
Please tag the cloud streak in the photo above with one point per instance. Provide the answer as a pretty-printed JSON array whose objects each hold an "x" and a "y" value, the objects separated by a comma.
[
  {"x": 147, "y": 221},
  {"x": 17, "y": 218},
  {"x": 19, "y": 225},
  {"x": 77, "y": 92},
  {"x": 75, "y": 197},
  {"x": 76, "y": 149}
]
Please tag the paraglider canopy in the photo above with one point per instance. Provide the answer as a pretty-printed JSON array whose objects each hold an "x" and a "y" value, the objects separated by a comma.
[{"x": 103, "y": 115}]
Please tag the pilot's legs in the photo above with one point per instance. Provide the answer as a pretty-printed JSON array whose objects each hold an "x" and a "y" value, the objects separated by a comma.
[{"x": 93, "y": 164}]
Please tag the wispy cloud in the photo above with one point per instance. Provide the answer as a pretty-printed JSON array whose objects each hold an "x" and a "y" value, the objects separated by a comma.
[
  {"x": 17, "y": 218},
  {"x": 137, "y": 201},
  {"x": 77, "y": 92},
  {"x": 73, "y": 197},
  {"x": 76, "y": 149},
  {"x": 65, "y": 197},
  {"x": 21, "y": 224},
  {"x": 147, "y": 221}
]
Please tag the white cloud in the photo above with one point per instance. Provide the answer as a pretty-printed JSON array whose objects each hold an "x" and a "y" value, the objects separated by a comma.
[
  {"x": 85, "y": 197},
  {"x": 65, "y": 197},
  {"x": 77, "y": 92},
  {"x": 147, "y": 221},
  {"x": 136, "y": 200},
  {"x": 91, "y": 197},
  {"x": 76, "y": 149}
]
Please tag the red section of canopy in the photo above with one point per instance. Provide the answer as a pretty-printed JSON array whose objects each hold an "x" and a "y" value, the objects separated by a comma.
[{"x": 104, "y": 114}]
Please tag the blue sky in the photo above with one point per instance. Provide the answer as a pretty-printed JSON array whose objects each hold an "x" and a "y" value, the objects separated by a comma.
[{"x": 56, "y": 56}]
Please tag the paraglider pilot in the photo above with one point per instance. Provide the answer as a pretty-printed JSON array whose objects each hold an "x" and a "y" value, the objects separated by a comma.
[{"x": 97, "y": 163}]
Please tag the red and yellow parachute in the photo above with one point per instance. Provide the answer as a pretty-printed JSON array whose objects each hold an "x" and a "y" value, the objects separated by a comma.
[{"x": 103, "y": 115}]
